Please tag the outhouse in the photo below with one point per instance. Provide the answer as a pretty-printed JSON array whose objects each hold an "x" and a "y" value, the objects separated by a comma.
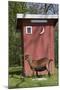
[{"x": 37, "y": 36}]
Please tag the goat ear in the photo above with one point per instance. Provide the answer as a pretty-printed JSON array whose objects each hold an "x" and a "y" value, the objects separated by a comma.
[{"x": 26, "y": 56}]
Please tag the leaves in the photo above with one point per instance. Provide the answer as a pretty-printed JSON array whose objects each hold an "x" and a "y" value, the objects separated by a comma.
[{"x": 14, "y": 42}]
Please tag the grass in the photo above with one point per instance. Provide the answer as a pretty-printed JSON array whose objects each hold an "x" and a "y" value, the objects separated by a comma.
[{"x": 17, "y": 81}]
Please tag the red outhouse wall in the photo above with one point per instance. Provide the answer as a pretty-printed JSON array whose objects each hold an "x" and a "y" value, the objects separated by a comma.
[{"x": 38, "y": 46}]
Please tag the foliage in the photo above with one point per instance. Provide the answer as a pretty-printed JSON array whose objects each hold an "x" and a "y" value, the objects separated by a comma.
[
  {"x": 56, "y": 48},
  {"x": 42, "y": 8},
  {"x": 14, "y": 39}
]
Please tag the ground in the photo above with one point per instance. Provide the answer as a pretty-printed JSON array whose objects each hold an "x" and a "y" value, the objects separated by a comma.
[{"x": 17, "y": 81}]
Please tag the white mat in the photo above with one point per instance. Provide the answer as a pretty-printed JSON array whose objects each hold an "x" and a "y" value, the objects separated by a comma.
[{"x": 39, "y": 79}]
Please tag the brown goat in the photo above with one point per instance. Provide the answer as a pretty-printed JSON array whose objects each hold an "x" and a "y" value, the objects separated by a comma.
[{"x": 38, "y": 65}]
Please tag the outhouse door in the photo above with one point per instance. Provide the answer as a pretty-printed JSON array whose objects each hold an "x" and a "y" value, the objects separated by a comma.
[{"x": 38, "y": 43}]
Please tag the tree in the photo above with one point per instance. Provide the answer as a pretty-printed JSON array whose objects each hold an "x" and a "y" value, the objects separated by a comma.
[
  {"x": 14, "y": 41},
  {"x": 56, "y": 45},
  {"x": 42, "y": 8}
]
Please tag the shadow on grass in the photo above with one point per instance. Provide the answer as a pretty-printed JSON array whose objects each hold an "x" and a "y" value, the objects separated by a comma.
[
  {"x": 15, "y": 72},
  {"x": 16, "y": 80},
  {"x": 21, "y": 81},
  {"x": 25, "y": 82}
]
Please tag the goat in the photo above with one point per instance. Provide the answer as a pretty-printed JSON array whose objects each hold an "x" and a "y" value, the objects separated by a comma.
[{"x": 38, "y": 65}]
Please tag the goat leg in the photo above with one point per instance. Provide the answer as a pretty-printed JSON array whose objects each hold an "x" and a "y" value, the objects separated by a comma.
[
  {"x": 37, "y": 73},
  {"x": 47, "y": 68},
  {"x": 48, "y": 71},
  {"x": 33, "y": 72}
]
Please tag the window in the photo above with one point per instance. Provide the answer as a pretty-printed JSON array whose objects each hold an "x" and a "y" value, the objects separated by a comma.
[{"x": 28, "y": 29}]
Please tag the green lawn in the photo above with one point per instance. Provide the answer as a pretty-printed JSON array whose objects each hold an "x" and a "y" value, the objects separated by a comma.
[{"x": 16, "y": 81}]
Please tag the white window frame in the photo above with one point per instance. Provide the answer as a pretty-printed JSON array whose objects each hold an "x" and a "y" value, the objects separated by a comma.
[{"x": 27, "y": 29}]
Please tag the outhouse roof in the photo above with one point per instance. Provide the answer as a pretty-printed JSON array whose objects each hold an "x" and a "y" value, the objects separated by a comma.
[{"x": 36, "y": 16}]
